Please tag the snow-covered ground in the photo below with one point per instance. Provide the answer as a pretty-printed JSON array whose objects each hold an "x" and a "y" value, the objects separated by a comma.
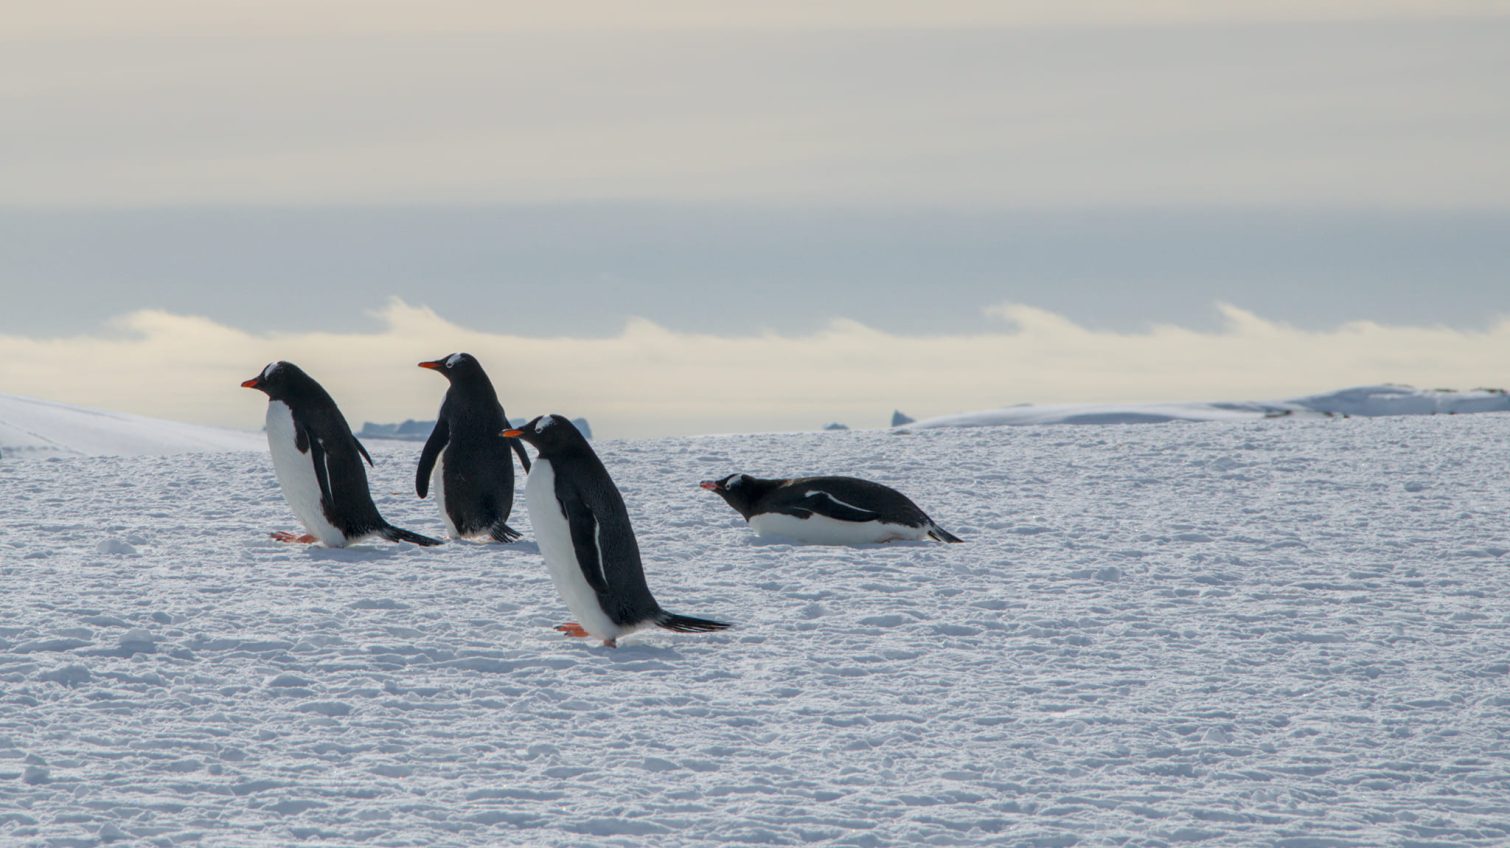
[
  {"x": 34, "y": 428},
  {"x": 1368, "y": 401},
  {"x": 1283, "y": 633}
]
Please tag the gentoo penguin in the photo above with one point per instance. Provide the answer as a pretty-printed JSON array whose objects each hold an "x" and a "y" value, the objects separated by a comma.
[
  {"x": 827, "y": 510},
  {"x": 584, "y": 534},
  {"x": 319, "y": 462},
  {"x": 471, "y": 466}
]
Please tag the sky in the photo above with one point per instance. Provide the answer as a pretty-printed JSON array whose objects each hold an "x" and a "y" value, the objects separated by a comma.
[{"x": 805, "y": 189}]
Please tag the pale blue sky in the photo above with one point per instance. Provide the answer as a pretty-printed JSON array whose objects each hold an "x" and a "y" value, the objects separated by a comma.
[{"x": 580, "y": 270}]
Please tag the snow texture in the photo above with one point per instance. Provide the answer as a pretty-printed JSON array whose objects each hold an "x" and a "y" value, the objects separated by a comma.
[
  {"x": 1367, "y": 401},
  {"x": 32, "y": 428},
  {"x": 1280, "y": 633}
]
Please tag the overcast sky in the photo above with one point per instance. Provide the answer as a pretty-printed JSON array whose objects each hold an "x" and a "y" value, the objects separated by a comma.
[{"x": 748, "y": 171}]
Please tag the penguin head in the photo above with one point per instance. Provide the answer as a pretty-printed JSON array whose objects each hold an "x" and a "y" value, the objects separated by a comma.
[
  {"x": 278, "y": 380},
  {"x": 740, "y": 490},
  {"x": 457, "y": 365},
  {"x": 549, "y": 434}
]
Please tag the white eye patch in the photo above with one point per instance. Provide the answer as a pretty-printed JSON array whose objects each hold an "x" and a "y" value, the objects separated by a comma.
[
  {"x": 544, "y": 423},
  {"x": 267, "y": 372},
  {"x": 452, "y": 360},
  {"x": 732, "y": 482}
]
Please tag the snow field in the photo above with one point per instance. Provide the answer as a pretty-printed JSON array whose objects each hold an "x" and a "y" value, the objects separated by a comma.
[{"x": 1287, "y": 633}]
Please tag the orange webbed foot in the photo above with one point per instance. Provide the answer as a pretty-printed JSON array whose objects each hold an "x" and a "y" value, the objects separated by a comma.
[
  {"x": 292, "y": 538},
  {"x": 571, "y": 628}
]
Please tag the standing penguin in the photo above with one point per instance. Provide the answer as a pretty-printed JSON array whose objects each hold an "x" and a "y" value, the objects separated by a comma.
[
  {"x": 470, "y": 465},
  {"x": 827, "y": 510},
  {"x": 583, "y": 531},
  {"x": 319, "y": 463}
]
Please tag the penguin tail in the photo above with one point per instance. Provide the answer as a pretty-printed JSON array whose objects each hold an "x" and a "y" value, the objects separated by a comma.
[
  {"x": 504, "y": 533},
  {"x": 939, "y": 534},
  {"x": 395, "y": 534},
  {"x": 688, "y": 624}
]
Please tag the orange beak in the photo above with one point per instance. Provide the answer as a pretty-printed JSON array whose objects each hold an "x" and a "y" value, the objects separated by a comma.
[
  {"x": 252, "y": 383},
  {"x": 709, "y": 485},
  {"x": 434, "y": 366},
  {"x": 511, "y": 434}
]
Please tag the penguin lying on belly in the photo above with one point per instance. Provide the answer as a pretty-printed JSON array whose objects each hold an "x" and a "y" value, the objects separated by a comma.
[
  {"x": 583, "y": 531},
  {"x": 827, "y": 510},
  {"x": 319, "y": 463},
  {"x": 470, "y": 466}
]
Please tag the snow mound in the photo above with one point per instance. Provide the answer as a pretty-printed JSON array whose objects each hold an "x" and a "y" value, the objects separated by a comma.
[
  {"x": 39, "y": 428},
  {"x": 1363, "y": 401},
  {"x": 1372, "y": 401}
]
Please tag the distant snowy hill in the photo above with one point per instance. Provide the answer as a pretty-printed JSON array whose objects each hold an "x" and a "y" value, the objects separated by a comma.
[
  {"x": 418, "y": 431},
  {"x": 33, "y": 428},
  {"x": 409, "y": 430},
  {"x": 1362, "y": 401}
]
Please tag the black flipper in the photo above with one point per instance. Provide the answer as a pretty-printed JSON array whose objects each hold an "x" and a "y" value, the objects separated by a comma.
[
  {"x": 504, "y": 533},
  {"x": 940, "y": 534},
  {"x": 317, "y": 455},
  {"x": 433, "y": 446},
  {"x": 584, "y": 539},
  {"x": 827, "y": 505},
  {"x": 395, "y": 534},
  {"x": 688, "y": 624},
  {"x": 524, "y": 458},
  {"x": 363, "y": 451}
]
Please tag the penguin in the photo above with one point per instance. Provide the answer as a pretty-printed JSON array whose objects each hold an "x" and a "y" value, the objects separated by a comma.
[
  {"x": 470, "y": 466},
  {"x": 583, "y": 531},
  {"x": 827, "y": 510},
  {"x": 319, "y": 463}
]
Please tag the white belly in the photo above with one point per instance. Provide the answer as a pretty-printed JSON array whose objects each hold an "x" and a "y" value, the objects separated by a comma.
[
  {"x": 438, "y": 485},
  {"x": 296, "y": 475},
  {"x": 553, "y": 535},
  {"x": 822, "y": 530}
]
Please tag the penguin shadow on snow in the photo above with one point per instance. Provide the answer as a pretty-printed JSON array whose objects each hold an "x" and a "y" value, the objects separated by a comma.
[
  {"x": 523, "y": 546},
  {"x": 785, "y": 542},
  {"x": 355, "y": 553},
  {"x": 632, "y": 655},
  {"x": 384, "y": 553}
]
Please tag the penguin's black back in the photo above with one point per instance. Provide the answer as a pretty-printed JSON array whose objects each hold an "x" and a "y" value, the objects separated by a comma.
[
  {"x": 795, "y": 497},
  {"x": 583, "y": 486},
  {"x": 322, "y": 431},
  {"x": 477, "y": 471}
]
